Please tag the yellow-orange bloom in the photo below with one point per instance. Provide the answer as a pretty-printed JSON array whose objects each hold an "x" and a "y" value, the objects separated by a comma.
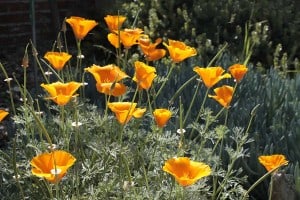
[
  {"x": 162, "y": 116},
  {"x": 179, "y": 51},
  {"x": 52, "y": 166},
  {"x": 127, "y": 37},
  {"x": 130, "y": 37},
  {"x": 272, "y": 161},
  {"x": 114, "y": 40},
  {"x": 238, "y": 71},
  {"x": 144, "y": 75},
  {"x": 149, "y": 49},
  {"x": 57, "y": 59},
  {"x": 114, "y": 22},
  {"x": 185, "y": 171},
  {"x": 124, "y": 111},
  {"x": 211, "y": 75},
  {"x": 223, "y": 95},
  {"x": 81, "y": 26},
  {"x": 3, "y": 114},
  {"x": 114, "y": 89},
  {"x": 107, "y": 78},
  {"x": 61, "y": 93}
]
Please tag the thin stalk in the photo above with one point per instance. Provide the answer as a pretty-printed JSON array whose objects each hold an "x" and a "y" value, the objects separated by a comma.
[
  {"x": 16, "y": 170},
  {"x": 259, "y": 181},
  {"x": 192, "y": 103},
  {"x": 164, "y": 83},
  {"x": 12, "y": 103}
]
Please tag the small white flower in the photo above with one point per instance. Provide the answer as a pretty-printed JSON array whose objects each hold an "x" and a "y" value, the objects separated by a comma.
[
  {"x": 84, "y": 84},
  {"x": 8, "y": 79},
  {"x": 76, "y": 124},
  {"x": 81, "y": 56},
  {"x": 52, "y": 147},
  {"x": 48, "y": 73},
  {"x": 127, "y": 185},
  {"x": 181, "y": 131},
  {"x": 18, "y": 176},
  {"x": 56, "y": 171}
]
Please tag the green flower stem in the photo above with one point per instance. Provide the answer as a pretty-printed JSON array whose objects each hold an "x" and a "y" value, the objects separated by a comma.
[
  {"x": 42, "y": 127},
  {"x": 79, "y": 58},
  {"x": 164, "y": 83},
  {"x": 16, "y": 170},
  {"x": 192, "y": 103},
  {"x": 35, "y": 55},
  {"x": 201, "y": 110},
  {"x": 260, "y": 180},
  {"x": 9, "y": 88},
  {"x": 233, "y": 160}
]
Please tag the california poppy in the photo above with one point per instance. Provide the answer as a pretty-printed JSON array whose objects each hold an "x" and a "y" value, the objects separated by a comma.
[
  {"x": 211, "y": 75},
  {"x": 61, "y": 93},
  {"x": 185, "y": 171},
  {"x": 162, "y": 116},
  {"x": 124, "y": 111},
  {"x": 144, "y": 75},
  {"x": 114, "y": 22},
  {"x": 130, "y": 37},
  {"x": 238, "y": 71},
  {"x": 149, "y": 49},
  {"x": 223, "y": 95},
  {"x": 81, "y": 26},
  {"x": 114, "y": 40},
  {"x": 107, "y": 78},
  {"x": 179, "y": 51},
  {"x": 3, "y": 114},
  {"x": 272, "y": 161},
  {"x": 53, "y": 165},
  {"x": 57, "y": 59}
]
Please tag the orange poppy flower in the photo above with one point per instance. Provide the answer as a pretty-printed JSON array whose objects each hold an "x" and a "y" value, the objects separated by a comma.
[
  {"x": 238, "y": 71},
  {"x": 130, "y": 37},
  {"x": 3, "y": 114},
  {"x": 185, "y": 171},
  {"x": 124, "y": 111},
  {"x": 57, "y": 59},
  {"x": 223, "y": 95},
  {"x": 61, "y": 93},
  {"x": 107, "y": 78},
  {"x": 211, "y": 75},
  {"x": 52, "y": 166},
  {"x": 179, "y": 51},
  {"x": 161, "y": 116},
  {"x": 144, "y": 75},
  {"x": 149, "y": 49},
  {"x": 114, "y": 40},
  {"x": 114, "y": 89},
  {"x": 81, "y": 26},
  {"x": 273, "y": 161},
  {"x": 114, "y": 22}
]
